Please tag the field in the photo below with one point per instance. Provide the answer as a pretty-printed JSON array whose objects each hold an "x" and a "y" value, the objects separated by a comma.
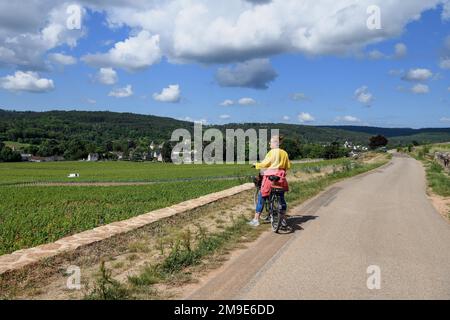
[
  {"x": 33, "y": 215},
  {"x": 124, "y": 171}
]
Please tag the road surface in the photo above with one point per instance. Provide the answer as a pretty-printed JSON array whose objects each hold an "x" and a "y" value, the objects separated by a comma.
[{"x": 381, "y": 219}]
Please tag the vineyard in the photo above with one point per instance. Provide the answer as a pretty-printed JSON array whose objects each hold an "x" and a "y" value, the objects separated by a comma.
[{"x": 35, "y": 214}]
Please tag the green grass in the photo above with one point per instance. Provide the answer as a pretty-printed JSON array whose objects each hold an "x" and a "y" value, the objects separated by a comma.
[
  {"x": 438, "y": 179},
  {"x": 299, "y": 191},
  {"x": 30, "y": 216}
]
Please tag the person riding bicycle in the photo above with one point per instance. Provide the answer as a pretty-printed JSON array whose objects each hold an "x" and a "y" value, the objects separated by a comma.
[{"x": 276, "y": 163}]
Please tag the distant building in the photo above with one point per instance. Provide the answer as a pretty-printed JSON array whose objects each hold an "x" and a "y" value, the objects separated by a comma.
[
  {"x": 93, "y": 157},
  {"x": 26, "y": 156},
  {"x": 37, "y": 159},
  {"x": 45, "y": 159}
]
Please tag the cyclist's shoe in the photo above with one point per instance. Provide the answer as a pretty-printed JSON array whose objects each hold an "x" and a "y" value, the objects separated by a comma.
[
  {"x": 284, "y": 223},
  {"x": 254, "y": 223}
]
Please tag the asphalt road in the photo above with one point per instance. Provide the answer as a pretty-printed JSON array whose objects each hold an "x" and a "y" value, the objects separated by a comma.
[{"x": 382, "y": 219}]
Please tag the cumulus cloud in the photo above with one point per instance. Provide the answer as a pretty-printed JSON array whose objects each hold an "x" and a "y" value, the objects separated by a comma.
[
  {"x": 202, "y": 31},
  {"x": 376, "y": 55},
  {"x": 420, "y": 89},
  {"x": 27, "y": 35},
  {"x": 446, "y": 11},
  {"x": 170, "y": 94},
  {"x": 62, "y": 59},
  {"x": 445, "y": 119},
  {"x": 227, "y": 103},
  {"x": 305, "y": 117},
  {"x": 299, "y": 96},
  {"x": 246, "y": 101},
  {"x": 256, "y": 74},
  {"x": 122, "y": 92},
  {"x": 202, "y": 121},
  {"x": 224, "y": 116},
  {"x": 445, "y": 63},
  {"x": 286, "y": 118},
  {"x": 349, "y": 119},
  {"x": 363, "y": 95},
  {"x": 26, "y": 81},
  {"x": 133, "y": 54},
  {"x": 419, "y": 74},
  {"x": 400, "y": 50},
  {"x": 107, "y": 76}
]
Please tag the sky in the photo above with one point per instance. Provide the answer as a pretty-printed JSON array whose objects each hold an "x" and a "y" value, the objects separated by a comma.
[{"x": 322, "y": 62}]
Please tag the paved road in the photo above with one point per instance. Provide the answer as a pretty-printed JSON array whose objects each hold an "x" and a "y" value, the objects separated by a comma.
[{"x": 382, "y": 218}]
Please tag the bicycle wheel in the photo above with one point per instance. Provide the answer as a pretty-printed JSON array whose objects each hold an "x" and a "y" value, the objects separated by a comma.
[{"x": 275, "y": 210}]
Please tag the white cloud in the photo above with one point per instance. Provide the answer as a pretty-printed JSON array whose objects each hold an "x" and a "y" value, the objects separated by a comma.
[
  {"x": 235, "y": 31},
  {"x": 376, "y": 55},
  {"x": 26, "y": 81},
  {"x": 202, "y": 31},
  {"x": 224, "y": 116},
  {"x": 299, "y": 96},
  {"x": 419, "y": 74},
  {"x": 286, "y": 118},
  {"x": 420, "y": 89},
  {"x": 91, "y": 101},
  {"x": 246, "y": 101},
  {"x": 363, "y": 95},
  {"x": 122, "y": 92},
  {"x": 445, "y": 119},
  {"x": 305, "y": 117},
  {"x": 400, "y": 50},
  {"x": 202, "y": 121},
  {"x": 227, "y": 103},
  {"x": 256, "y": 74},
  {"x": 350, "y": 119},
  {"x": 446, "y": 11},
  {"x": 445, "y": 63},
  {"x": 62, "y": 59},
  {"x": 133, "y": 54},
  {"x": 107, "y": 76},
  {"x": 170, "y": 94},
  {"x": 27, "y": 34}
]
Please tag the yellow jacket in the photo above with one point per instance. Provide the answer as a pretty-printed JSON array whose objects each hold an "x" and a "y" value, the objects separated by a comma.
[{"x": 275, "y": 159}]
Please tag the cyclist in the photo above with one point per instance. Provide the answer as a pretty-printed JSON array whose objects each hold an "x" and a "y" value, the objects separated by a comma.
[{"x": 276, "y": 163}]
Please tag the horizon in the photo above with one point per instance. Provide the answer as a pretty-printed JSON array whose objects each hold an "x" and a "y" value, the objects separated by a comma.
[{"x": 228, "y": 123}]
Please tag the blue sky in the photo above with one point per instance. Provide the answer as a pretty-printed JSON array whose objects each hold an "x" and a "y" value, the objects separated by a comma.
[{"x": 363, "y": 82}]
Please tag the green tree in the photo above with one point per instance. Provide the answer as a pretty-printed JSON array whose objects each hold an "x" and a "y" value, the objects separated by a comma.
[
  {"x": 377, "y": 142},
  {"x": 292, "y": 147}
]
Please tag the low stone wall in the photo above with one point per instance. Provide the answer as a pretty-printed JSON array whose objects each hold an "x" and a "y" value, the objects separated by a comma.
[{"x": 26, "y": 257}]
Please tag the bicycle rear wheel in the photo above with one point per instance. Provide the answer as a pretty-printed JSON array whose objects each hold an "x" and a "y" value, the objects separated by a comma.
[{"x": 275, "y": 212}]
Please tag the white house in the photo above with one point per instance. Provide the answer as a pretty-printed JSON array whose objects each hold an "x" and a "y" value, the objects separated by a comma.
[{"x": 93, "y": 157}]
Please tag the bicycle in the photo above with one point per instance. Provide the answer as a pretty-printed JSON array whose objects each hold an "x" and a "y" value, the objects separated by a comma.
[{"x": 272, "y": 206}]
